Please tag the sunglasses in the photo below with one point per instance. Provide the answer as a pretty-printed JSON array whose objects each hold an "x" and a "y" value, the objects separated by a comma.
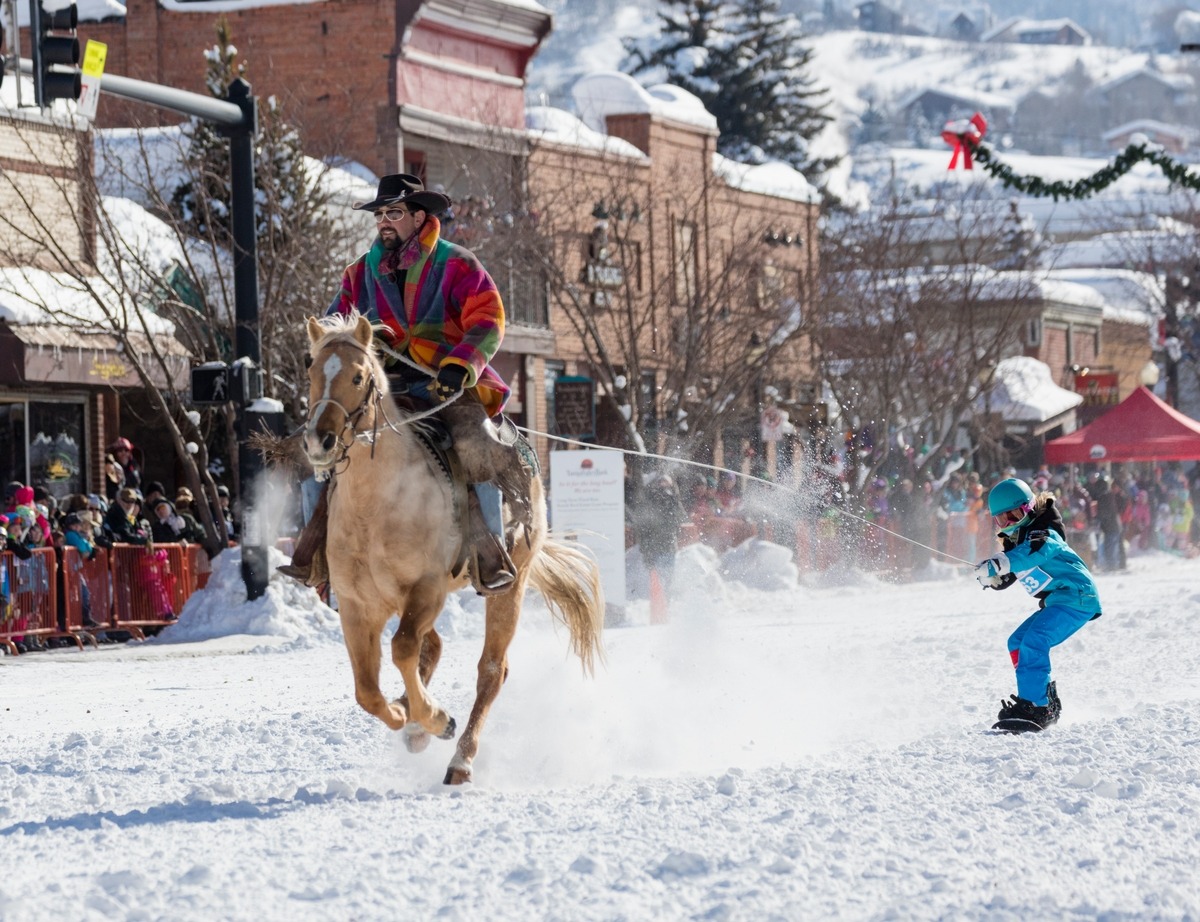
[{"x": 393, "y": 214}]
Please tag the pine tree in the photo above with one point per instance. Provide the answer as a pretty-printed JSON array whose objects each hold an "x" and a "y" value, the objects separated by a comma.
[
  {"x": 203, "y": 200},
  {"x": 747, "y": 63}
]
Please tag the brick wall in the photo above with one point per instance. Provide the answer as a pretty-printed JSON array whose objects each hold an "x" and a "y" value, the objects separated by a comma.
[
  {"x": 327, "y": 63},
  {"x": 40, "y": 197}
]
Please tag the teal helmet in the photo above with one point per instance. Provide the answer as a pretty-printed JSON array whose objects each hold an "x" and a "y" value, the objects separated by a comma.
[{"x": 1007, "y": 496}]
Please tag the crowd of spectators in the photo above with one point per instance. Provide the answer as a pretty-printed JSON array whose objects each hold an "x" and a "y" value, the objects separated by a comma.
[
  {"x": 33, "y": 517},
  {"x": 941, "y": 512}
]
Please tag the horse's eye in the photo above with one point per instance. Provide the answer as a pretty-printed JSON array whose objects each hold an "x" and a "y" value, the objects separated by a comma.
[
  {"x": 308, "y": 361},
  {"x": 358, "y": 380}
]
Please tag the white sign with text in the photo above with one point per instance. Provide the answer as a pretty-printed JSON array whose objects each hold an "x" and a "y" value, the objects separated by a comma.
[{"x": 587, "y": 503}]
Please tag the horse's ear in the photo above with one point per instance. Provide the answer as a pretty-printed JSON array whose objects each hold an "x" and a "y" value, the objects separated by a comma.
[
  {"x": 362, "y": 331},
  {"x": 315, "y": 330}
]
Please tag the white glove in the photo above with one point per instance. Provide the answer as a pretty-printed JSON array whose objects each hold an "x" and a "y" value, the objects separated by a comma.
[{"x": 989, "y": 571}]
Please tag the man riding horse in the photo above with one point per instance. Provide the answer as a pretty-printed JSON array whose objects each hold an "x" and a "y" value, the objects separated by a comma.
[{"x": 439, "y": 312}]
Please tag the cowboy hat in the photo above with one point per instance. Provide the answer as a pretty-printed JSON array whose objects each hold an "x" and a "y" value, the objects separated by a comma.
[{"x": 404, "y": 187}]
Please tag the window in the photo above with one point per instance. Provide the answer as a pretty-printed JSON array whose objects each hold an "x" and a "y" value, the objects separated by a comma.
[
  {"x": 685, "y": 262},
  {"x": 414, "y": 163},
  {"x": 44, "y": 444}
]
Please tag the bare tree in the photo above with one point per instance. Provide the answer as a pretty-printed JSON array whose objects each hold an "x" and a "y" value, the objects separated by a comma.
[
  {"x": 142, "y": 263},
  {"x": 682, "y": 305},
  {"x": 908, "y": 346}
]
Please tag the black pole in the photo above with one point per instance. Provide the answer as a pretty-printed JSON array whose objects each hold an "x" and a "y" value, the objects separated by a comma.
[{"x": 248, "y": 341}]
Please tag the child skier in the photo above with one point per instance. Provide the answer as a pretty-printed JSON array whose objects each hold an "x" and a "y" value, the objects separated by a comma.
[{"x": 1037, "y": 556}]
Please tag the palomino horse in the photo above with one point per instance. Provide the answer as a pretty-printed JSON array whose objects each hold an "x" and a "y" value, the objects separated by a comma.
[{"x": 394, "y": 540}]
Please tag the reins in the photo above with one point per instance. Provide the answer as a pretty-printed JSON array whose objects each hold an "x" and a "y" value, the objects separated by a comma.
[{"x": 373, "y": 396}]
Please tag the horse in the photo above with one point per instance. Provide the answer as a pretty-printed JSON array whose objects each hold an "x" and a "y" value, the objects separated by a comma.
[{"x": 395, "y": 546}]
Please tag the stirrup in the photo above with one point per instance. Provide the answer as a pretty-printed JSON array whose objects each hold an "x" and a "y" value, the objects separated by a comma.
[{"x": 498, "y": 574}]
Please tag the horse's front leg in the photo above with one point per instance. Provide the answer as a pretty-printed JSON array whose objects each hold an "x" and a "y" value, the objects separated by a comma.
[
  {"x": 416, "y": 649},
  {"x": 362, "y": 643},
  {"x": 416, "y": 739},
  {"x": 503, "y": 612}
]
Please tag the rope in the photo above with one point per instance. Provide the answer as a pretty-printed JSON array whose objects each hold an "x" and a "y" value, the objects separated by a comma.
[{"x": 762, "y": 480}]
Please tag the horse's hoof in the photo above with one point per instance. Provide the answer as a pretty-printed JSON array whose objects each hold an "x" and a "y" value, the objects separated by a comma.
[
  {"x": 448, "y": 733},
  {"x": 456, "y": 776},
  {"x": 415, "y": 738}
]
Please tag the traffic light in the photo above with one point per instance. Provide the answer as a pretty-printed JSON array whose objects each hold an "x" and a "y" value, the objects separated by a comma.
[{"x": 55, "y": 53}]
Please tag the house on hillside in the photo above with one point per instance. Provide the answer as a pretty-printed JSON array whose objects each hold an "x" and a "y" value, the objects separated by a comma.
[
  {"x": 1038, "y": 32},
  {"x": 919, "y": 117},
  {"x": 1147, "y": 93},
  {"x": 1174, "y": 139},
  {"x": 875, "y": 16}
]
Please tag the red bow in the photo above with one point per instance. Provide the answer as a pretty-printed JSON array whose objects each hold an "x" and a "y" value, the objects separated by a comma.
[{"x": 963, "y": 135}]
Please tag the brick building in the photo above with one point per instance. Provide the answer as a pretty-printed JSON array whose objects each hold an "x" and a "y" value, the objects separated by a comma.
[{"x": 62, "y": 375}]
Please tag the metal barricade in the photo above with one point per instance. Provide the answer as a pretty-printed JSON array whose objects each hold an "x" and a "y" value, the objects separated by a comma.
[
  {"x": 91, "y": 576},
  {"x": 32, "y": 608},
  {"x": 146, "y": 586}
]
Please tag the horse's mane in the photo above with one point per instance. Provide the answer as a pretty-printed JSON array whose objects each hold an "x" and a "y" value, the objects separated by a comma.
[{"x": 340, "y": 328}]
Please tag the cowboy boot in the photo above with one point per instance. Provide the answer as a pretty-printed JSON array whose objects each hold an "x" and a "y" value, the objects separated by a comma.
[
  {"x": 492, "y": 570},
  {"x": 308, "y": 559}
]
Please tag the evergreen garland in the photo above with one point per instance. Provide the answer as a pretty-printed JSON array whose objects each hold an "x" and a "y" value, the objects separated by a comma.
[{"x": 1133, "y": 154}]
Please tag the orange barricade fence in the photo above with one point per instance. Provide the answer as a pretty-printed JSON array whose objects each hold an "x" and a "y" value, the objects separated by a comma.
[
  {"x": 149, "y": 585},
  {"x": 129, "y": 587},
  {"x": 32, "y": 606},
  {"x": 93, "y": 574}
]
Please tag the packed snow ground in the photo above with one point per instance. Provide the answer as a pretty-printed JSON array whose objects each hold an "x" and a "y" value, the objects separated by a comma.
[{"x": 779, "y": 750}]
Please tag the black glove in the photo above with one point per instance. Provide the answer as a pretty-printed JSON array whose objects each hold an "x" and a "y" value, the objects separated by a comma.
[{"x": 449, "y": 381}]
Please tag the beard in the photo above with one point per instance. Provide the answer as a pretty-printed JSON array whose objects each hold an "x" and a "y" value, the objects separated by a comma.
[{"x": 392, "y": 242}]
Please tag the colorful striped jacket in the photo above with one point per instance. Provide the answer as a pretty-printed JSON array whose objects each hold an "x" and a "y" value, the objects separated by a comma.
[{"x": 450, "y": 310}]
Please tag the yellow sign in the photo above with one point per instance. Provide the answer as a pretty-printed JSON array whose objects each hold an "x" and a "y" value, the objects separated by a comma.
[{"x": 94, "y": 56}]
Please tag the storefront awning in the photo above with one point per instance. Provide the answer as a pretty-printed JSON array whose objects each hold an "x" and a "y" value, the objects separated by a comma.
[{"x": 34, "y": 353}]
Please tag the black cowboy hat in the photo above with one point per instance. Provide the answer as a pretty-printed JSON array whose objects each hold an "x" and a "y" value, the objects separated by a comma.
[{"x": 404, "y": 187}]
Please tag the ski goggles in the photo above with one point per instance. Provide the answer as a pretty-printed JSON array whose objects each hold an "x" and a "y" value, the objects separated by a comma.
[{"x": 1007, "y": 521}]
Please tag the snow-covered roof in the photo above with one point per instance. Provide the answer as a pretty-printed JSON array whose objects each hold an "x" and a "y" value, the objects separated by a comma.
[
  {"x": 561, "y": 127},
  {"x": 1129, "y": 296},
  {"x": 606, "y": 93},
  {"x": 1024, "y": 392},
  {"x": 1150, "y": 126},
  {"x": 975, "y": 99},
  {"x": 88, "y": 10},
  {"x": 773, "y": 178},
  {"x": 1177, "y": 82},
  {"x": 1019, "y": 25}
]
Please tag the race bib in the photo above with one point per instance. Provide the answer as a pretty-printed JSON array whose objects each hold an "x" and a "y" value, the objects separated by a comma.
[{"x": 1035, "y": 580}]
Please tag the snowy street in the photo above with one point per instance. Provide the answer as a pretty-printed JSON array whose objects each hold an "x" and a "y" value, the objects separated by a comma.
[{"x": 805, "y": 753}]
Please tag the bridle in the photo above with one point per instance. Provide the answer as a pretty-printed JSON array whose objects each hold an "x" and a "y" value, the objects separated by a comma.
[{"x": 372, "y": 398}]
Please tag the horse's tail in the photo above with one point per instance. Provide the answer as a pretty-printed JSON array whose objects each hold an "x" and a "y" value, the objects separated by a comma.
[{"x": 569, "y": 581}]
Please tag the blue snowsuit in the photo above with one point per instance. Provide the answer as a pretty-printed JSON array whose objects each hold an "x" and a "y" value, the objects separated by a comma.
[{"x": 1046, "y": 567}]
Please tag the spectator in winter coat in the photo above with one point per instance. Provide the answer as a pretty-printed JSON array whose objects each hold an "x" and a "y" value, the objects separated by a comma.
[
  {"x": 128, "y": 472},
  {"x": 166, "y": 526},
  {"x": 77, "y": 533},
  {"x": 657, "y": 521},
  {"x": 124, "y": 522},
  {"x": 1037, "y": 556}
]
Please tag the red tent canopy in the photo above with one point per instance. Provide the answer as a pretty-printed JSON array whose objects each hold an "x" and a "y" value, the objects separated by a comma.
[{"x": 1140, "y": 428}]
